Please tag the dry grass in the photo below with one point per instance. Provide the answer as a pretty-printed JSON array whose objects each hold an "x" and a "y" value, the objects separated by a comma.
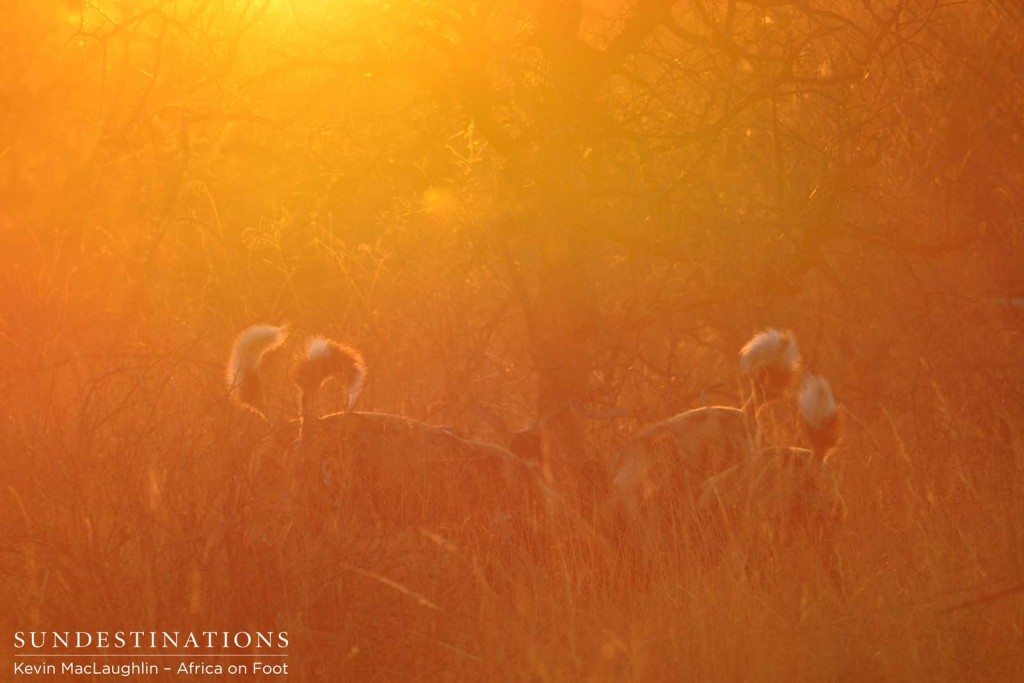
[
  {"x": 170, "y": 177},
  {"x": 130, "y": 499}
]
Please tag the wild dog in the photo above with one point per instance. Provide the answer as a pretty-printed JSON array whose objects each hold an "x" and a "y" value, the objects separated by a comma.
[
  {"x": 782, "y": 495},
  {"x": 660, "y": 470},
  {"x": 393, "y": 471},
  {"x": 406, "y": 472}
]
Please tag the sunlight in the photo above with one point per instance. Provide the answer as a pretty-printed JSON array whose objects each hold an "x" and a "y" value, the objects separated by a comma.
[
  {"x": 440, "y": 201},
  {"x": 302, "y": 12},
  {"x": 409, "y": 334}
]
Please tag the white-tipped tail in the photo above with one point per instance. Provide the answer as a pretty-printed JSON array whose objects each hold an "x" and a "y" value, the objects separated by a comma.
[
  {"x": 324, "y": 358},
  {"x": 771, "y": 349},
  {"x": 244, "y": 362},
  {"x": 820, "y": 414},
  {"x": 817, "y": 405},
  {"x": 355, "y": 387}
]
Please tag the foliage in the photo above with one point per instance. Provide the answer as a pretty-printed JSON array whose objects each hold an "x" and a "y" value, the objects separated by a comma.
[{"x": 556, "y": 212}]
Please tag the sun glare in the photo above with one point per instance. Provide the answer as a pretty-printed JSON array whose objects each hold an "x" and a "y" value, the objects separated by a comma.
[
  {"x": 535, "y": 340},
  {"x": 440, "y": 201}
]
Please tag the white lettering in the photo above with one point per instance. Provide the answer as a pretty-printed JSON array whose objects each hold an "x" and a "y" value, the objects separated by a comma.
[
  {"x": 23, "y": 669},
  {"x": 200, "y": 668},
  {"x": 270, "y": 669}
]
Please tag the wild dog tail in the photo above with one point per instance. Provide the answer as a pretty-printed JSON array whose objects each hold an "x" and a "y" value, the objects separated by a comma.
[
  {"x": 243, "y": 371},
  {"x": 820, "y": 414},
  {"x": 771, "y": 360},
  {"x": 324, "y": 358},
  {"x": 770, "y": 350}
]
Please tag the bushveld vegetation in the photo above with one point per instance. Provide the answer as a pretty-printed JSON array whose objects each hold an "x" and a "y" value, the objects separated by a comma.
[{"x": 562, "y": 214}]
